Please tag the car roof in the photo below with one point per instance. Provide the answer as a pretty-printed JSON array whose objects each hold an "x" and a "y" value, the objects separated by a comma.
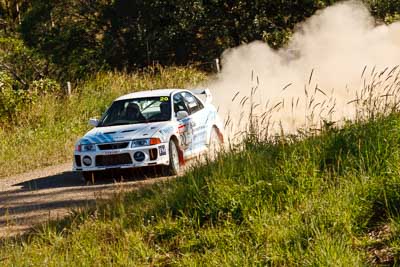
[{"x": 149, "y": 93}]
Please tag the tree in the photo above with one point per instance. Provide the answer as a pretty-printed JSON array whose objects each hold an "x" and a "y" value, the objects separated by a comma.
[{"x": 69, "y": 33}]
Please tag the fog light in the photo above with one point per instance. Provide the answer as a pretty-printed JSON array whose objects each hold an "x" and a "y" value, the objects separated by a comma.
[
  {"x": 139, "y": 156},
  {"x": 87, "y": 161}
]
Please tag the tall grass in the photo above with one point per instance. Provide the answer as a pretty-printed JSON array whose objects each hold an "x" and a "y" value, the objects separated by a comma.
[
  {"x": 45, "y": 132},
  {"x": 306, "y": 110}
]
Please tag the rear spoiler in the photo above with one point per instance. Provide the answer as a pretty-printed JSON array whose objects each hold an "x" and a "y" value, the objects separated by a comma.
[{"x": 206, "y": 92}]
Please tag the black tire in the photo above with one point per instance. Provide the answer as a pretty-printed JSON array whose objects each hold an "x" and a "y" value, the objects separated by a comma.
[
  {"x": 174, "y": 166},
  {"x": 89, "y": 177}
]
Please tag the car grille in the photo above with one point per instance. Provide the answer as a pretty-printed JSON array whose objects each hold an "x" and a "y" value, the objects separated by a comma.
[
  {"x": 113, "y": 160},
  {"x": 113, "y": 146},
  {"x": 153, "y": 153}
]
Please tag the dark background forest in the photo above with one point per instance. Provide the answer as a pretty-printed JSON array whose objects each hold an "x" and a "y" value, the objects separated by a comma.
[{"x": 69, "y": 39}]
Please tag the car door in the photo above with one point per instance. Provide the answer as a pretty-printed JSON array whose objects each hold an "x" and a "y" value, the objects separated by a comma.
[
  {"x": 198, "y": 117},
  {"x": 184, "y": 125}
]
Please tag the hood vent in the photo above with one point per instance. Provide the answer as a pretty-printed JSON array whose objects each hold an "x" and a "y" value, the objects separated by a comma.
[{"x": 128, "y": 131}]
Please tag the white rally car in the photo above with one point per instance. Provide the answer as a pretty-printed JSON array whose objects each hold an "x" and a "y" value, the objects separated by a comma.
[{"x": 158, "y": 127}]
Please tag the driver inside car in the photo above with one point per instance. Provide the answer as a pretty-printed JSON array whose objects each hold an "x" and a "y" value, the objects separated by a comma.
[
  {"x": 133, "y": 113},
  {"x": 165, "y": 112}
]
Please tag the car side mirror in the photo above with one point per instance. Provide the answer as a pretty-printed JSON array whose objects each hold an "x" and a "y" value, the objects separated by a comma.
[
  {"x": 181, "y": 115},
  {"x": 94, "y": 122}
]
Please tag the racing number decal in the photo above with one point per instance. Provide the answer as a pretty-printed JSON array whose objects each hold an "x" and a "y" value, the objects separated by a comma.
[{"x": 164, "y": 99}]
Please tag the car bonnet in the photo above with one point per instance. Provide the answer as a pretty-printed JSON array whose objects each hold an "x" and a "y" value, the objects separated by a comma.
[{"x": 112, "y": 134}]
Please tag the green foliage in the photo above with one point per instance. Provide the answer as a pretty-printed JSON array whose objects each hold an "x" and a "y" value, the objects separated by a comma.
[
  {"x": 14, "y": 99},
  {"x": 10, "y": 100},
  {"x": 387, "y": 10},
  {"x": 68, "y": 33},
  {"x": 391, "y": 18},
  {"x": 45, "y": 86},
  {"x": 11, "y": 12},
  {"x": 21, "y": 63},
  {"x": 22, "y": 77}
]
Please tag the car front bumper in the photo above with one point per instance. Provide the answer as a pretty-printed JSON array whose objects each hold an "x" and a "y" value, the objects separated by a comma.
[{"x": 121, "y": 158}]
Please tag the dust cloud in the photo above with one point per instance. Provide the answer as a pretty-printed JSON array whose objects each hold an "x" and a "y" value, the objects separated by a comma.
[{"x": 332, "y": 58}]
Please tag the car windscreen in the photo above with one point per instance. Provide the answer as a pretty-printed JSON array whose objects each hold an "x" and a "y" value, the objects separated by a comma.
[{"x": 137, "y": 110}]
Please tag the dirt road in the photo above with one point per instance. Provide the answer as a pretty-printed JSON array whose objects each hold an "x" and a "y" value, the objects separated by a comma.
[{"x": 51, "y": 193}]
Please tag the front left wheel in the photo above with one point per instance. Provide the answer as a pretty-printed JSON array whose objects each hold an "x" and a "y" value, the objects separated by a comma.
[
  {"x": 88, "y": 177},
  {"x": 174, "y": 166}
]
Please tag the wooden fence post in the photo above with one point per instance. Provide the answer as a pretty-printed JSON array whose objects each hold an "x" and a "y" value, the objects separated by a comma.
[
  {"x": 217, "y": 65},
  {"x": 69, "y": 88}
]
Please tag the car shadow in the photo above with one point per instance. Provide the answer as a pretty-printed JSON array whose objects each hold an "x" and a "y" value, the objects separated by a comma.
[
  {"x": 74, "y": 179},
  {"x": 31, "y": 202},
  {"x": 64, "y": 179}
]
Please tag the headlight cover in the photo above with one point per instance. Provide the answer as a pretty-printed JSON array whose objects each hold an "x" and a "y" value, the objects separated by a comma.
[
  {"x": 85, "y": 148},
  {"x": 145, "y": 142},
  {"x": 90, "y": 147}
]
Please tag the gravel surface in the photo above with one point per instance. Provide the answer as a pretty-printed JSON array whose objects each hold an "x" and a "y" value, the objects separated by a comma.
[{"x": 51, "y": 193}]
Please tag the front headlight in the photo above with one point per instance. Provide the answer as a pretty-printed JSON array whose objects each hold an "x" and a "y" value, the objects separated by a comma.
[
  {"x": 85, "y": 148},
  {"x": 90, "y": 147},
  {"x": 146, "y": 142}
]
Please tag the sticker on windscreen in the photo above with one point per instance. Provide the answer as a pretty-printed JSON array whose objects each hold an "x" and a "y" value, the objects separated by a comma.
[{"x": 164, "y": 99}]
